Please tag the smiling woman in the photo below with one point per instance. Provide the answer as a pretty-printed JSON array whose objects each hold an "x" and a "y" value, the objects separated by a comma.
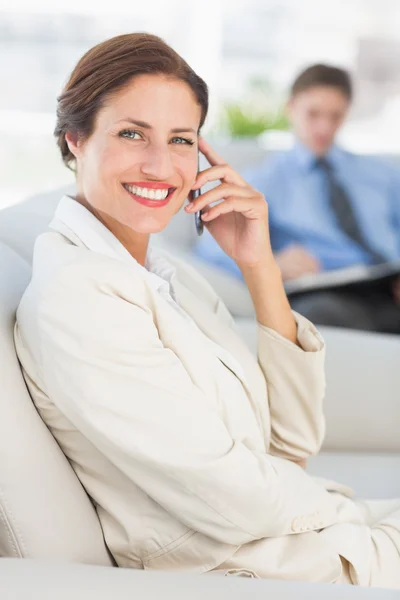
[
  {"x": 190, "y": 447},
  {"x": 128, "y": 125}
]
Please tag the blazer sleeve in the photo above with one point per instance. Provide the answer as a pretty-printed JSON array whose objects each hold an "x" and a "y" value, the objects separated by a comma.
[
  {"x": 105, "y": 367},
  {"x": 295, "y": 378}
]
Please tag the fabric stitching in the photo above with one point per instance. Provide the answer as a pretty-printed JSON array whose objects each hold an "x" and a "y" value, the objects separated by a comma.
[
  {"x": 169, "y": 547},
  {"x": 9, "y": 529}
]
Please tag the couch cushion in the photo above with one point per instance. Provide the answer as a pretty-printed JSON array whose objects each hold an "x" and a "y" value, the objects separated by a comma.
[
  {"x": 34, "y": 580},
  {"x": 44, "y": 511}
]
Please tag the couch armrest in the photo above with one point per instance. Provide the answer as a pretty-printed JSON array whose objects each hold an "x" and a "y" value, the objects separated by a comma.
[
  {"x": 33, "y": 580},
  {"x": 363, "y": 391},
  {"x": 362, "y": 404}
]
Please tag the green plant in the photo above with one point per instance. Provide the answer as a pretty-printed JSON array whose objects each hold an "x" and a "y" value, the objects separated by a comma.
[{"x": 245, "y": 121}]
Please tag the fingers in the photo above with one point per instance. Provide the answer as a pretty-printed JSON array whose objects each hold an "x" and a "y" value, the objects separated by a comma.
[
  {"x": 306, "y": 262},
  {"x": 296, "y": 261},
  {"x": 298, "y": 255},
  {"x": 220, "y": 172},
  {"x": 306, "y": 266},
  {"x": 293, "y": 272},
  {"x": 213, "y": 157},
  {"x": 221, "y": 192},
  {"x": 219, "y": 168},
  {"x": 251, "y": 210}
]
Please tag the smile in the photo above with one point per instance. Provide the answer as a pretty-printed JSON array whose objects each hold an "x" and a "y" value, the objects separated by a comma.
[{"x": 150, "y": 196}]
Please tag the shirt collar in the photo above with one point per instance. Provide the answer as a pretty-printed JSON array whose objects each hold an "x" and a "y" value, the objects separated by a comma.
[
  {"x": 306, "y": 159},
  {"x": 73, "y": 220}
]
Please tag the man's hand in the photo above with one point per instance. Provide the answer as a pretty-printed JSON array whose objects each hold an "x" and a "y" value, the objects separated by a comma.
[
  {"x": 295, "y": 261},
  {"x": 396, "y": 290}
]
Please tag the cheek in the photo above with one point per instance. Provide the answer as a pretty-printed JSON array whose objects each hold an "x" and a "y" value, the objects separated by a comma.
[
  {"x": 336, "y": 123},
  {"x": 108, "y": 160},
  {"x": 188, "y": 169},
  {"x": 304, "y": 122}
]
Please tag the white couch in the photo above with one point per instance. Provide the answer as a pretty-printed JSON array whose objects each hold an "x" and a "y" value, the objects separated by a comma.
[
  {"x": 45, "y": 513},
  {"x": 31, "y": 580}
]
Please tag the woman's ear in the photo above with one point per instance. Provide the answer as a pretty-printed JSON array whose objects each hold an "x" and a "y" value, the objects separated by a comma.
[{"x": 74, "y": 143}]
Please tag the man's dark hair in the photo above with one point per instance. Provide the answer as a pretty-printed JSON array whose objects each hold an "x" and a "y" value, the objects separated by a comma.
[{"x": 323, "y": 75}]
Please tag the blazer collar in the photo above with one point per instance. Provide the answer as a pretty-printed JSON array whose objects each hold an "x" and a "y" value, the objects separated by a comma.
[{"x": 81, "y": 227}]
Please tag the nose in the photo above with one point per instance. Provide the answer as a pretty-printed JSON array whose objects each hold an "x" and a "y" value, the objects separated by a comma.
[
  {"x": 326, "y": 127},
  {"x": 157, "y": 163}
]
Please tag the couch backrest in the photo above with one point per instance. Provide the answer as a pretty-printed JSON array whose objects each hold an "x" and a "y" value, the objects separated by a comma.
[
  {"x": 20, "y": 224},
  {"x": 44, "y": 511}
]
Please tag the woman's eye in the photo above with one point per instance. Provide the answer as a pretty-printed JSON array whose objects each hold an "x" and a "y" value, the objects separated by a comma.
[
  {"x": 131, "y": 134},
  {"x": 181, "y": 140}
]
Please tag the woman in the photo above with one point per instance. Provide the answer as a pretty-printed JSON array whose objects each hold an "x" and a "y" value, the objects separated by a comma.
[{"x": 191, "y": 449}]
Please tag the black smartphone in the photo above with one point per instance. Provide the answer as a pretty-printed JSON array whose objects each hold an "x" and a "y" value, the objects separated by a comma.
[{"x": 197, "y": 216}]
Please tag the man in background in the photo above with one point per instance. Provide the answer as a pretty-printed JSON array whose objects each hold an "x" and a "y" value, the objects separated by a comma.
[{"x": 328, "y": 208}]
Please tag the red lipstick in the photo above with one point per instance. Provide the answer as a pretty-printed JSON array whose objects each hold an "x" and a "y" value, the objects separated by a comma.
[{"x": 148, "y": 201}]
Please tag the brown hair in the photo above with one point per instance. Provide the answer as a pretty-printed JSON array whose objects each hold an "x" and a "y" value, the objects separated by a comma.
[
  {"x": 323, "y": 75},
  {"x": 105, "y": 69}
]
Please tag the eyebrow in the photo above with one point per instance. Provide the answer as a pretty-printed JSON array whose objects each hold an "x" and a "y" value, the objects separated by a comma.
[{"x": 148, "y": 126}]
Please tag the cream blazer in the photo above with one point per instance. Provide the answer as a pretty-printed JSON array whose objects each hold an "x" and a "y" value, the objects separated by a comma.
[{"x": 183, "y": 438}]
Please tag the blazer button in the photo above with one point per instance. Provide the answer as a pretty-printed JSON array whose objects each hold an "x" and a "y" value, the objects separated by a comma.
[
  {"x": 318, "y": 522},
  {"x": 298, "y": 525}
]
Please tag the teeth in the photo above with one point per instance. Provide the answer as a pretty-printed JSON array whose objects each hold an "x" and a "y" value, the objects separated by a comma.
[{"x": 148, "y": 193}]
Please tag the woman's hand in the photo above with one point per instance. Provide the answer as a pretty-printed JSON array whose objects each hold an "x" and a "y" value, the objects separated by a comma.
[{"x": 239, "y": 223}]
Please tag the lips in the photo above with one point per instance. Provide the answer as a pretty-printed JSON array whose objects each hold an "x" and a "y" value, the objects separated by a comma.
[{"x": 153, "y": 195}]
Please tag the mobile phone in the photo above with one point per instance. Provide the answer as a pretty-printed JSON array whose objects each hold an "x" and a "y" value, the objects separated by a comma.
[{"x": 197, "y": 216}]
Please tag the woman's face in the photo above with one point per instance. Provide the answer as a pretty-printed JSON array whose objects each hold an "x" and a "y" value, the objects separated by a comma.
[{"x": 140, "y": 162}]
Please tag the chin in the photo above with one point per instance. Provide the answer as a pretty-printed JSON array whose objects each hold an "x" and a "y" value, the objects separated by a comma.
[
  {"x": 149, "y": 226},
  {"x": 321, "y": 149}
]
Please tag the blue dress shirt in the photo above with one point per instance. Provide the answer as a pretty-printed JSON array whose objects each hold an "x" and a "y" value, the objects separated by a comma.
[{"x": 299, "y": 212}]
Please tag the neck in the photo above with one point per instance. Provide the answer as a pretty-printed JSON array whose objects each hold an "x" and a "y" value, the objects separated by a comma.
[
  {"x": 317, "y": 153},
  {"x": 136, "y": 243}
]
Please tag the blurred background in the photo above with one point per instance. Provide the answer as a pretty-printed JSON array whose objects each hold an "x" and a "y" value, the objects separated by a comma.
[{"x": 248, "y": 51}]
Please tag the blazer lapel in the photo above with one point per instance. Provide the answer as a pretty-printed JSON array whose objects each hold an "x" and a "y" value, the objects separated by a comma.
[
  {"x": 229, "y": 347},
  {"x": 235, "y": 355}
]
